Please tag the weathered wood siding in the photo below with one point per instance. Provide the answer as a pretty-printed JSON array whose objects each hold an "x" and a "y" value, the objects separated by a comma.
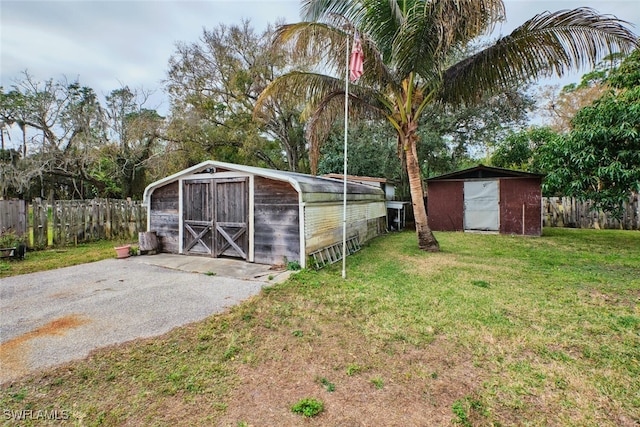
[
  {"x": 231, "y": 217},
  {"x": 197, "y": 216},
  {"x": 13, "y": 217},
  {"x": 323, "y": 223},
  {"x": 570, "y": 212},
  {"x": 77, "y": 221},
  {"x": 164, "y": 217},
  {"x": 276, "y": 222},
  {"x": 276, "y": 207}
]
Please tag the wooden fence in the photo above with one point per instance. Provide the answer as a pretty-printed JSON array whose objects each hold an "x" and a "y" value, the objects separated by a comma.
[
  {"x": 13, "y": 217},
  {"x": 569, "y": 212},
  {"x": 77, "y": 221}
]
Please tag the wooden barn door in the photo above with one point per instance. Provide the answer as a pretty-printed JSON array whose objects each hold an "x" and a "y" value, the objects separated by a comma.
[
  {"x": 231, "y": 217},
  {"x": 198, "y": 199}
]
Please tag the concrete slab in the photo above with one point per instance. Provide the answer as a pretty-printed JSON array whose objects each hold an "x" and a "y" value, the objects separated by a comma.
[
  {"x": 55, "y": 316},
  {"x": 221, "y": 267}
]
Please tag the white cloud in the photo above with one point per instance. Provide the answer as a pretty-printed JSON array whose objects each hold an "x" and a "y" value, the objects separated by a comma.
[{"x": 109, "y": 43}]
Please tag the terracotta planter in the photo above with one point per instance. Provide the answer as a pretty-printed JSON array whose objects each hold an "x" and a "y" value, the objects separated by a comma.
[{"x": 122, "y": 251}]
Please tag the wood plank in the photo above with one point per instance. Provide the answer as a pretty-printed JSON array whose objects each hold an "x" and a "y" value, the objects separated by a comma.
[
  {"x": 230, "y": 216},
  {"x": 269, "y": 191},
  {"x": 230, "y": 240}
]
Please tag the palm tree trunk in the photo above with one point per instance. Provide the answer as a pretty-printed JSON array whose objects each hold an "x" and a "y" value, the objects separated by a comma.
[{"x": 426, "y": 239}]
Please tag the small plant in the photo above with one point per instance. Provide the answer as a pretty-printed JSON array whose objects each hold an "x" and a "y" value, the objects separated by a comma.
[
  {"x": 293, "y": 265},
  {"x": 354, "y": 369},
  {"x": 463, "y": 407},
  {"x": 315, "y": 264},
  {"x": 231, "y": 352},
  {"x": 133, "y": 251},
  {"x": 308, "y": 407},
  {"x": 377, "y": 382},
  {"x": 270, "y": 277},
  {"x": 19, "y": 396},
  {"x": 330, "y": 387},
  {"x": 480, "y": 283},
  {"x": 210, "y": 273},
  {"x": 297, "y": 333},
  {"x": 460, "y": 412},
  {"x": 9, "y": 239},
  {"x": 12, "y": 245},
  {"x": 205, "y": 336}
]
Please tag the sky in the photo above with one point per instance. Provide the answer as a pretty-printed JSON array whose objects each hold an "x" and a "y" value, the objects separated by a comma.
[{"x": 106, "y": 44}]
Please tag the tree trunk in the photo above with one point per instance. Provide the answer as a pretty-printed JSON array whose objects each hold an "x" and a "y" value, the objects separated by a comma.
[
  {"x": 23, "y": 128},
  {"x": 426, "y": 239}
]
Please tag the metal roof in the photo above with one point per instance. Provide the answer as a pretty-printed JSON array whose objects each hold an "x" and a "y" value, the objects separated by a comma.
[
  {"x": 302, "y": 183},
  {"x": 482, "y": 171},
  {"x": 356, "y": 177}
]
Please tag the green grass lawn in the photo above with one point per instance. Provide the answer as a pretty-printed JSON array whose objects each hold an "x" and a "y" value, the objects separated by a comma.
[
  {"x": 59, "y": 257},
  {"x": 493, "y": 330}
]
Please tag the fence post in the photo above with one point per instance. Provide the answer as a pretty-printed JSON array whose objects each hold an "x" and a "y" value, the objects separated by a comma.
[
  {"x": 40, "y": 224},
  {"x": 108, "y": 225},
  {"x": 57, "y": 223}
]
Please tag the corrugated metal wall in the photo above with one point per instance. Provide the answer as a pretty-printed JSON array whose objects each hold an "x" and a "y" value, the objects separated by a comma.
[
  {"x": 517, "y": 196},
  {"x": 482, "y": 205},
  {"x": 445, "y": 205},
  {"x": 323, "y": 223},
  {"x": 520, "y": 206}
]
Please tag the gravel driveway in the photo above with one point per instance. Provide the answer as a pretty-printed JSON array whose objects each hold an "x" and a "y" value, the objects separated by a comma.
[{"x": 55, "y": 316}]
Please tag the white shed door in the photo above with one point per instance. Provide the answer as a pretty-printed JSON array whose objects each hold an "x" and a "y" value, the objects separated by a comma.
[{"x": 481, "y": 205}]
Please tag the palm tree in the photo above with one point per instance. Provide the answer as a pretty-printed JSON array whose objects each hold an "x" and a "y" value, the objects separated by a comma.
[{"x": 408, "y": 48}]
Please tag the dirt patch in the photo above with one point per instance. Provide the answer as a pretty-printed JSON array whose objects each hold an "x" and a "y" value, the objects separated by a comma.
[
  {"x": 440, "y": 262},
  {"x": 433, "y": 264},
  {"x": 394, "y": 388},
  {"x": 14, "y": 354}
]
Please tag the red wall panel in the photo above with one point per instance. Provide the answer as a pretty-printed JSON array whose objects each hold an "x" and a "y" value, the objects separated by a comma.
[
  {"x": 520, "y": 197},
  {"x": 445, "y": 205}
]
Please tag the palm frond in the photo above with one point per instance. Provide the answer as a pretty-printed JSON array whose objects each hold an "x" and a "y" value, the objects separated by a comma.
[
  {"x": 381, "y": 21},
  {"x": 328, "y": 45},
  {"x": 548, "y": 44},
  {"x": 433, "y": 28},
  {"x": 305, "y": 86},
  {"x": 319, "y": 10},
  {"x": 315, "y": 40}
]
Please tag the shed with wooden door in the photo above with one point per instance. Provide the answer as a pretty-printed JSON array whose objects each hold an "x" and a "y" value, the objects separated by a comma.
[
  {"x": 485, "y": 198},
  {"x": 260, "y": 215}
]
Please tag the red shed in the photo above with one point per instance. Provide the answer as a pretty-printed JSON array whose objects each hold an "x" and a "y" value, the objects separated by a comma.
[{"x": 485, "y": 198}]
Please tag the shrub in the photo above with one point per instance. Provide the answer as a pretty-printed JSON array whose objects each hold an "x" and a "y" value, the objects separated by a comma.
[{"x": 308, "y": 407}]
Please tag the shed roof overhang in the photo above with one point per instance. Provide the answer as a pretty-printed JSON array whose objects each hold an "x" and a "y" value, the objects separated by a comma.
[
  {"x": 482, "y": 171},
  {"x": 302, "y": 183}
]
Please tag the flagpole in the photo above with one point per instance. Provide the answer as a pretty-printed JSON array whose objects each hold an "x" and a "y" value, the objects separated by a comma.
[{"x": 346, "y": 128}]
